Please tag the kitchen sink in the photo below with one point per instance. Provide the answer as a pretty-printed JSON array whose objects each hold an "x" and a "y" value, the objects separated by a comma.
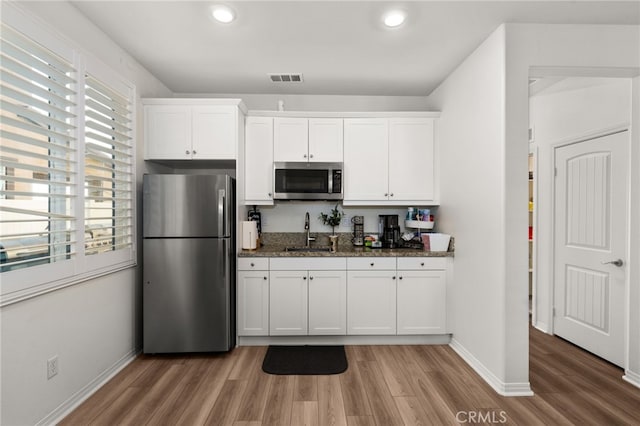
[{"x": 309, "y": 249}]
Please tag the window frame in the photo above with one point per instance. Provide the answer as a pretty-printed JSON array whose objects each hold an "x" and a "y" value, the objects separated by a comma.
[{"x": 20, "y": 284}]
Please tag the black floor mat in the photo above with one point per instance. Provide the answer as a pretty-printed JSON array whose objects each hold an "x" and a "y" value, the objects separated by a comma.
[{"x": 305, "y": 360}]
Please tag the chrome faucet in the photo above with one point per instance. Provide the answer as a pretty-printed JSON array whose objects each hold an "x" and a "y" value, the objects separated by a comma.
[{"x": 306, "y": 228}]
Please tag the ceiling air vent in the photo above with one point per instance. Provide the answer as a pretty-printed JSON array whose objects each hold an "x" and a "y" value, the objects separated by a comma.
[{"x": 286, "y": 77}]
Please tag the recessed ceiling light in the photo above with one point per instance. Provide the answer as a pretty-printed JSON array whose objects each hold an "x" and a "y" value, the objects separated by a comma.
[
  {"x": 394, "y": 18},
  {"x": 223, "y": 14}
]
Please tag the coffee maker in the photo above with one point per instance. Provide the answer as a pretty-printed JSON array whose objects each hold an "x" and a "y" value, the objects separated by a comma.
[{"x": 389, "y": 230}]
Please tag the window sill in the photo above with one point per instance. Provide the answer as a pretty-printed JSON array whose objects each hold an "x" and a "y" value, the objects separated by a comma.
[{"x": 39, "y": 290}]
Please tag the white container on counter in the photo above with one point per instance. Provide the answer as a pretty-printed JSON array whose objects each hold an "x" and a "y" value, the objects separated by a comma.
[
  {"x": 438, "y": 242},
  {"x": 249, "y": 235}
]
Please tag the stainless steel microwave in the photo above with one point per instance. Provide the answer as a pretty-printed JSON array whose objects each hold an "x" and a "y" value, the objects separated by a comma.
[{"x": 307, "y": 181}]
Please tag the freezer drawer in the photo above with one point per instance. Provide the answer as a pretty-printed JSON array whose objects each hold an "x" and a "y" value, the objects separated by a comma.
[
  {"x": 185, "y": 206},
  {"x": 188, "y": 295}
]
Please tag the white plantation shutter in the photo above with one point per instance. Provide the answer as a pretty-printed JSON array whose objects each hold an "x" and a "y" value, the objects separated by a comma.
[
  {"x": 108, "y": 166},
  {"x": 37, "y": 154},
  {"x": 67, "y": 164}
]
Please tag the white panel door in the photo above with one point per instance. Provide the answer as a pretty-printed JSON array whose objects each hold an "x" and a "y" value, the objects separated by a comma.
[
  {"x": 253, "y": 303},
  {"x": 422, "y": 297},
  {"x": 591, "y": 201},
  {"x": 371, "y": 302},
  {"x": 291, "y": 139},
  {"x": 327, "y": 302},
  {"x": 214, "y": 132},
  {"x": 411, "y": 159},
  {"x": 288, "y": 293},
  {"x": 258, "y": 160},
  {"x": 366, "y": 159},
  {"x": 325, "y": 140}
]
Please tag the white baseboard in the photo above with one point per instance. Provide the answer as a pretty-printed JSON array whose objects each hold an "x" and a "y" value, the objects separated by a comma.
[
  {"x": 83, "y": 394},
  {"x": 502, "y": 388},
  {"x": 631, "y": 377},
  {"x": 543, "y": 326},
  {"x": 439, "y": 339}
]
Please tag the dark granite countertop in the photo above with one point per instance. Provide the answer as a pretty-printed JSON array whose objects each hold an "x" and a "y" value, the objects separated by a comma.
[
  {"x": 274, "y": 245},
  {"x": 343, "y": 251}
]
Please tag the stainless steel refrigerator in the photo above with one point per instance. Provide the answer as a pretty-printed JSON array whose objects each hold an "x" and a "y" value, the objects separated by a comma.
[{"x": 189, "y": 263}]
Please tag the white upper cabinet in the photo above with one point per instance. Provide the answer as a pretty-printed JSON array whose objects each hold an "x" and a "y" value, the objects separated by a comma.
[
  {"x": 214, "y": 134},
  {"x": 411, "y": 159},
  {"x": 366, "y": 173},
  {"x": 190, "y": 129},
  {"x": 307, "y": 139},
  {"x": 290, "y": 139},
  {"x": 325, "y": 140},
  {"x": 258, "y": 160},
  {"x": 167, "y": 132},
  {"x": 389, "y": 161}
]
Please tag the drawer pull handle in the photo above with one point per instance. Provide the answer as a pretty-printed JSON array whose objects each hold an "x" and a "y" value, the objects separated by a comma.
[
  {"x": 304, "y": 278},
  {"x": 371, "y": 263},
  {"x": 310, "y": 278},
  {"x": 264, "y": 278},
  {"x": 400, "y": 277},
  {"x": 393, "y": 278},
  {"x": 253, "y": 264},
  {"x": 421, "y": 263}
]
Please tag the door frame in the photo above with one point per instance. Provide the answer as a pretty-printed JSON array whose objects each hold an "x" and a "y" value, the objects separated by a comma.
[{"x": 627, "y": 282}]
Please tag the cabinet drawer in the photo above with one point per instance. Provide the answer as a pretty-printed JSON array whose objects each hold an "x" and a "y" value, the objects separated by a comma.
[
  {"x": 307, "y": 263},
  {"x": 253, "y": 264},
  {"x": 371, "y": 263},
  {"x": 420, "y": 263}
]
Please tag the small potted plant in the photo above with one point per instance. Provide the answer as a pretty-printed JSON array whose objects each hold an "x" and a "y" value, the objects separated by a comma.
[{"x": 332, "y": 219}]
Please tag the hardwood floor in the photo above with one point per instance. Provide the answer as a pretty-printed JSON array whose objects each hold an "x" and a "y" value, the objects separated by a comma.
[{"x": 384, "y": 385}]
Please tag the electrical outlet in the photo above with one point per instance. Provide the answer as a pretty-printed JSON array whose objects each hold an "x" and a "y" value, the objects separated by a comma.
[{"x": 52, "y": 367}]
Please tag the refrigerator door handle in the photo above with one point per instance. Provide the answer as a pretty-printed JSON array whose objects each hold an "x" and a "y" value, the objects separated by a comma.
[{"x": 222, "y": 220}]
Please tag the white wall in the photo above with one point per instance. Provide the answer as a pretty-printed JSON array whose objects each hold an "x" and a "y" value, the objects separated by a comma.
[
  {"x": 484, "y": 107},
  {"x": 92, "y": 326},
  {"x": 597, "y": 50},
  {"x": 560, "y": 116},
  {"x": 289, "y": 216},
  {"x": 471, "y": 135}
]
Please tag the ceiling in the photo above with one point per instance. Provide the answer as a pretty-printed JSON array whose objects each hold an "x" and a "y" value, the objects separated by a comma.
[{"x": 340, "y": 47}]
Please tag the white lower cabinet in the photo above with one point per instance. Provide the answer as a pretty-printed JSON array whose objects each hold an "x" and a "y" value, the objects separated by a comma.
[
  {"x": 307, "y": 296},
  {"x": 288, "y": 295},
  {"x": 422, "y": 295},
  {"x": 342, "y": 296},
  {"x": 371, "y": 302},
  {"x": 327, "y": 302},
  {"x": 421, "y": 302},
  {"x": 253, "y": 303}
]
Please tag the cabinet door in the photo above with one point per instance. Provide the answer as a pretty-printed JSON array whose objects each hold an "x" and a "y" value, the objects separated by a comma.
[
  {"x": 366, "y": 171},
  {"x": 327, "y": 302},
  {"x": 411, "y": 159},
  {"x": 421, "y": 302},
  {"x": 214, "y": 132},
  {"x": 291, "y": 139},
  {"x": 253, "y": 303},
  {"x": 167, "y": 133},
  {"x": 325, "y": 140},
  {"x": 371, "y": 302},
  {"x": 288, "y": 303},
  {"x": 258, "y": 160}
]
